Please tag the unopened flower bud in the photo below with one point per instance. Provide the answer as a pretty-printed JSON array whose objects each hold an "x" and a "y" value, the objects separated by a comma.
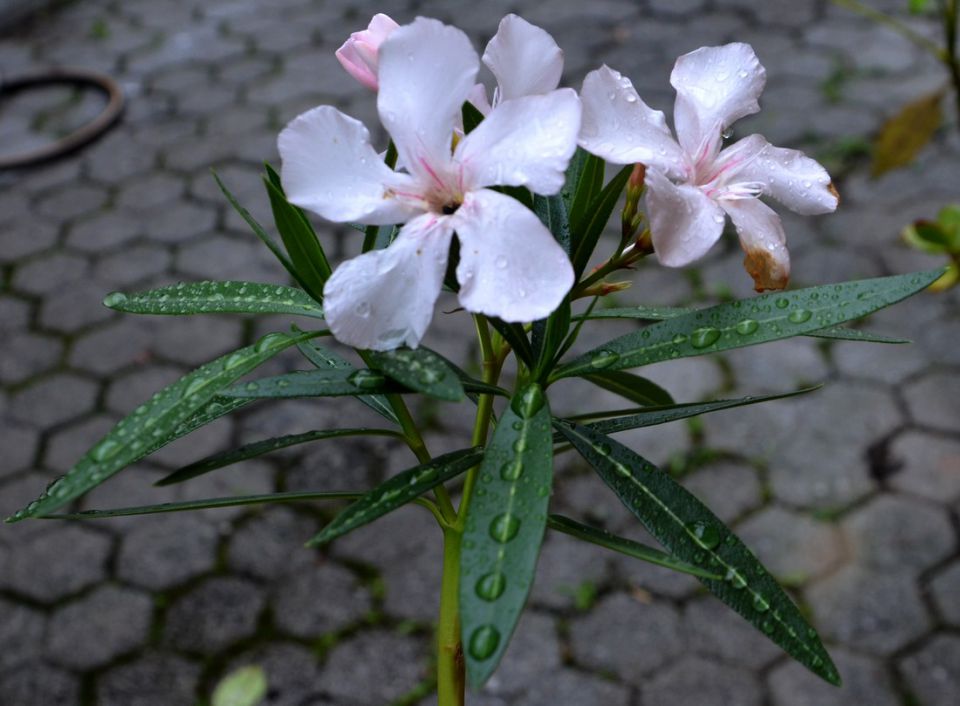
[
  {"x": 631, "y": 217},
  {"x": 359, "y": 55}
]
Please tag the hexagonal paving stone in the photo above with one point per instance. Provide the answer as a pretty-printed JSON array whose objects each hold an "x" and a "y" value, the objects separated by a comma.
[
  {"x": 98, "y": 628},
  {"x": 790, "y": 544},
  {"x": 19, "y": 444},
  {"x": 128, "y": 390},
  {"x": 534, "y": 655},
  {"x": 50, "y": 272},
  {"x": 26, "y": 355},
  {"x": 115, "y": 345},
  {"x": 864, "y": 682},
  {"x": 900, "y": 535},
  {"x": 23, "y": 628},
  {"x": 566, "y": 564},
  {"x": 56, "y": 563},
  {"x": 65, "y": 447},
  {"x": 566, "y": 686},
  {"x": 39, "y": 684},
  {"x": 934, "y": 401},
  {"x": 821, "y": 463},
  {"x": 297, "y": 611},
  {"x": 689, "y": 679},
  {"x": 945, "y": 588},
  {"x": 877, "y": 613},
  {"x": 76, "y": 308},
  {"x": 716, "y": 631},
  {"x": 71, "y": 201},
  {"x": 133, "y": 265},
  {"x": 627, "y": 637},
  {"x": 728, "y": 489},
  {"x": 929, "y": 465},
  {"x": 933, "y": 672},
  {"x": 197, "y": 339},
  {"x": 25, "y": 238},
  {"x": 375, "y": 667},
  {"x": 270, "y": 545},
  {"x": 215, "y": 615},
  {"x": 53, "y": 400},
  {"x": 155, "y": 679},
  {"x": 104, "y": 231},
  {"x": 165, "y": 552},
  {"x": 146, "y": 192},
  {"x": 182, "y": 223}
]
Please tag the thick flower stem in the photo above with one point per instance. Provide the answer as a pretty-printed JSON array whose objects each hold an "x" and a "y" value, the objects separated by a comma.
[{"x": 451, "y": 680}]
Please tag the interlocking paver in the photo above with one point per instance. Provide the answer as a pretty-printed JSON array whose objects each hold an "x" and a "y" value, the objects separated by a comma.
[
  {"x": 297, "y": 611},
  {"x": 374, "y": 667},
  {"x": 865, "y": 681},
  {"x": 156, "y": 679},
  {"x": 933, "y": 672},
  {"x": 160, "y": 555},
  {"x": 39, "y": 683},
  {"x": 214, "y": 615}
]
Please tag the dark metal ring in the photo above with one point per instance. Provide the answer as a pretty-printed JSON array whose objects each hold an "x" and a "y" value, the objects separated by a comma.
[{"x": 82, "y": 135}]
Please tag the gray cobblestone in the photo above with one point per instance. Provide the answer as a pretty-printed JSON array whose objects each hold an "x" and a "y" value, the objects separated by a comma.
[
  {"x": 933, "y": 672},
  {"x": 53, "y": 400},
  {"x": 153, "y": 680},
  {"x": 23, "y": 627},
  {"x": 297, "y": 611},
  {"x": 96, "y": 629},
  {"x": 19, "y": 444},
  {"x": 714, "y": 630},
  {"x": 689, "y": 678},
  {"x": 215, "y": 615},
  {"x": 375, "y": 667},
  {"x": 164, "y": 554},
  {"x": 793, "y": 546},
  {"x": 945, "y": 587},
  {"x": 26, "y": 355},
  {"x": 270, "y": 545},
  {"x": 933, "y": 401},
  {"x": 39, "y": 684},
  {"x": 864, "y": 682}
]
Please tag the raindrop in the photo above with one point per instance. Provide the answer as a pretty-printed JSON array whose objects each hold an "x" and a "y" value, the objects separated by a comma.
[
  {"x": 233, "y": 360},
  {"x": 630, "y": 97},
  {"x": 703, "y": 337},
  {"x": 104, "y": 450},
  {"x": 604, "y": 359},
  {"x": 269, "y": 341},
  {"x": 363, "y": 309},
  {"x": 679, "y": 338},
  {"x": 718, "y": 218},
  {"x": 501, "y": 262},
  {"x": 491, "y": 586},
  {"x": 736, "y": 579},
  {"x": 799, "y": 316},
  {"x": 114, "y": 299},
  {"x": 194, "y": 386},
  {"x": 529, "y": 402},
  {"x": 520, "y": 445},
  {"x": 782, "y": 303},
  {"x": 511, "y": 471},
  {"x": 722, "y": 76},
  {"x": 504, "y": 527},
  {"x": 760, "y": 604},
  {"x": 706, "y": 535},
  {"x": 746, "y": 327},
  {"x": 366, "y": 379},
  {"x": 484, "y": 642}
]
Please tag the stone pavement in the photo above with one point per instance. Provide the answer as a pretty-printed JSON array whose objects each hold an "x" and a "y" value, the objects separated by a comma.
[{"x": 851, "y": 495}]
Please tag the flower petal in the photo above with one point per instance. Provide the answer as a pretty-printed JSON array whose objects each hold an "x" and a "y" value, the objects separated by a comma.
[
  {"x": 619, "y": 127},
  {"x": 684, "y": 222},
  {"x": 384, "y": 298},
  {"x": 427, "y": 70},
  {"x": 478, "y": 98},
  {"x": 510, "y": 265},
  {"x": 523, "y": 142},
  {"x": 329, "y": 167},
  {"x": 525, "y": 59},
  {"x": 359, "y": 54},
  {"x": 798, "y": 182},
  {"x": 715, "y": 87},
  {"x": 763, "y": 240}
]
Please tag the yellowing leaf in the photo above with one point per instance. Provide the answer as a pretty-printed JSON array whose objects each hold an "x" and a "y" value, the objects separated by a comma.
[
  {"x": 903, "y": 136},
  {"x": 246, "y": 686}
]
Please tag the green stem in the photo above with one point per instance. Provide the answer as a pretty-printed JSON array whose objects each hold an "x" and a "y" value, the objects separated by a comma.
[
  {"x": 951, "y": 16},
  {"x": 451, "y": 680}
]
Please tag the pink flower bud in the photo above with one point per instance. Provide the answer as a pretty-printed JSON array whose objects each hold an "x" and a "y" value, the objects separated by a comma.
[{"x": 359, "y": 54}]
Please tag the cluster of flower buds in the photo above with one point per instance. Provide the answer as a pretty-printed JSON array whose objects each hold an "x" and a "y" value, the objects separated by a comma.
[{"x": 447, "y": 182}]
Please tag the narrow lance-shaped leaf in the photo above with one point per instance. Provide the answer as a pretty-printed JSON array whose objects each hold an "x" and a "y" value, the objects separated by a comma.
[
  {"x": 662, "y": 313},
  {"x": 156, "y": 419},
  {"x": 397, "y": 491},
  {"x": 260, "y": 448},
  {"x": 602, "y": 538},
  {"x": 586, "y": 232},
  {"x": 421, "y": 370},
  {"x": 316, "y": 383},
  {"x": 768, "y": 317},
  {"x": 325, "y": 359},
  {"x": 553, "y": 213},
  {"x": 204, "y": 504},
  {"x": 653, "y": 416},
  {"x": 216, "y": 298},
  {"x": 505, "y": 522},
  {"x": 584, "y": 181},
  {"x": 515, "y": 336},
  {"x": 298, "y": 238},
  {"x": 632, "y": 387},
  {"x": 259, "y": 231},
  {"x": 693, "y": 534}
]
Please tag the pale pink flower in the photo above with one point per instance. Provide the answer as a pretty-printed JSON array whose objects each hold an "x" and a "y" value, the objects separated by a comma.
[
  {"x": 359, "y": 55},
  {"x": 510, "y": 265},
  {"x": 693, "y": 183}
]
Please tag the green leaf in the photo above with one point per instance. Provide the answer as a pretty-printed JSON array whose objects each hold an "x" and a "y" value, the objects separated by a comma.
[
  {"x": 928, "y": 237},
  {"x": 514, "y": 335},
  {"x": 316, "y": 383},
  {"x": 584, "y": 183},
  {"x": 917, "y": 7},
  {"x": 398, "y": 490},
  {"x": 632, "y": 387},
  {"x": 204, "y": 504},
  {"x": 587, "y": 232},
  {"x": 421, "y": 370},
  {"x": 903, "y": 136},
  {"x": 471, "y": 117},
  {"x": 298, "y": 238},
  {"x": 216, "y": 298},
  {"x": 662, "y": 313},
  {"x": 652, "y": 416},
  {"x": 548, "y": 337},
  {"x": 553, "y": 214},
  {"x": 246, "y": 686},
  {"x": 767, "y": 317},
  {"x": 325, "y": 359},
  {"x": 259, "y": 448},
  {"x": 157, "y": 419},
  {"x": 693, "y": 534},
  {"x": 505, "y": 523},
  {"x": 260, "y": 232},
  {"x": 626, "y": 546}
]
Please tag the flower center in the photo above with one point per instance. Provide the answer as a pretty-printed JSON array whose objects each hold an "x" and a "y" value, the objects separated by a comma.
[{"x": 448, "y": 209}]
